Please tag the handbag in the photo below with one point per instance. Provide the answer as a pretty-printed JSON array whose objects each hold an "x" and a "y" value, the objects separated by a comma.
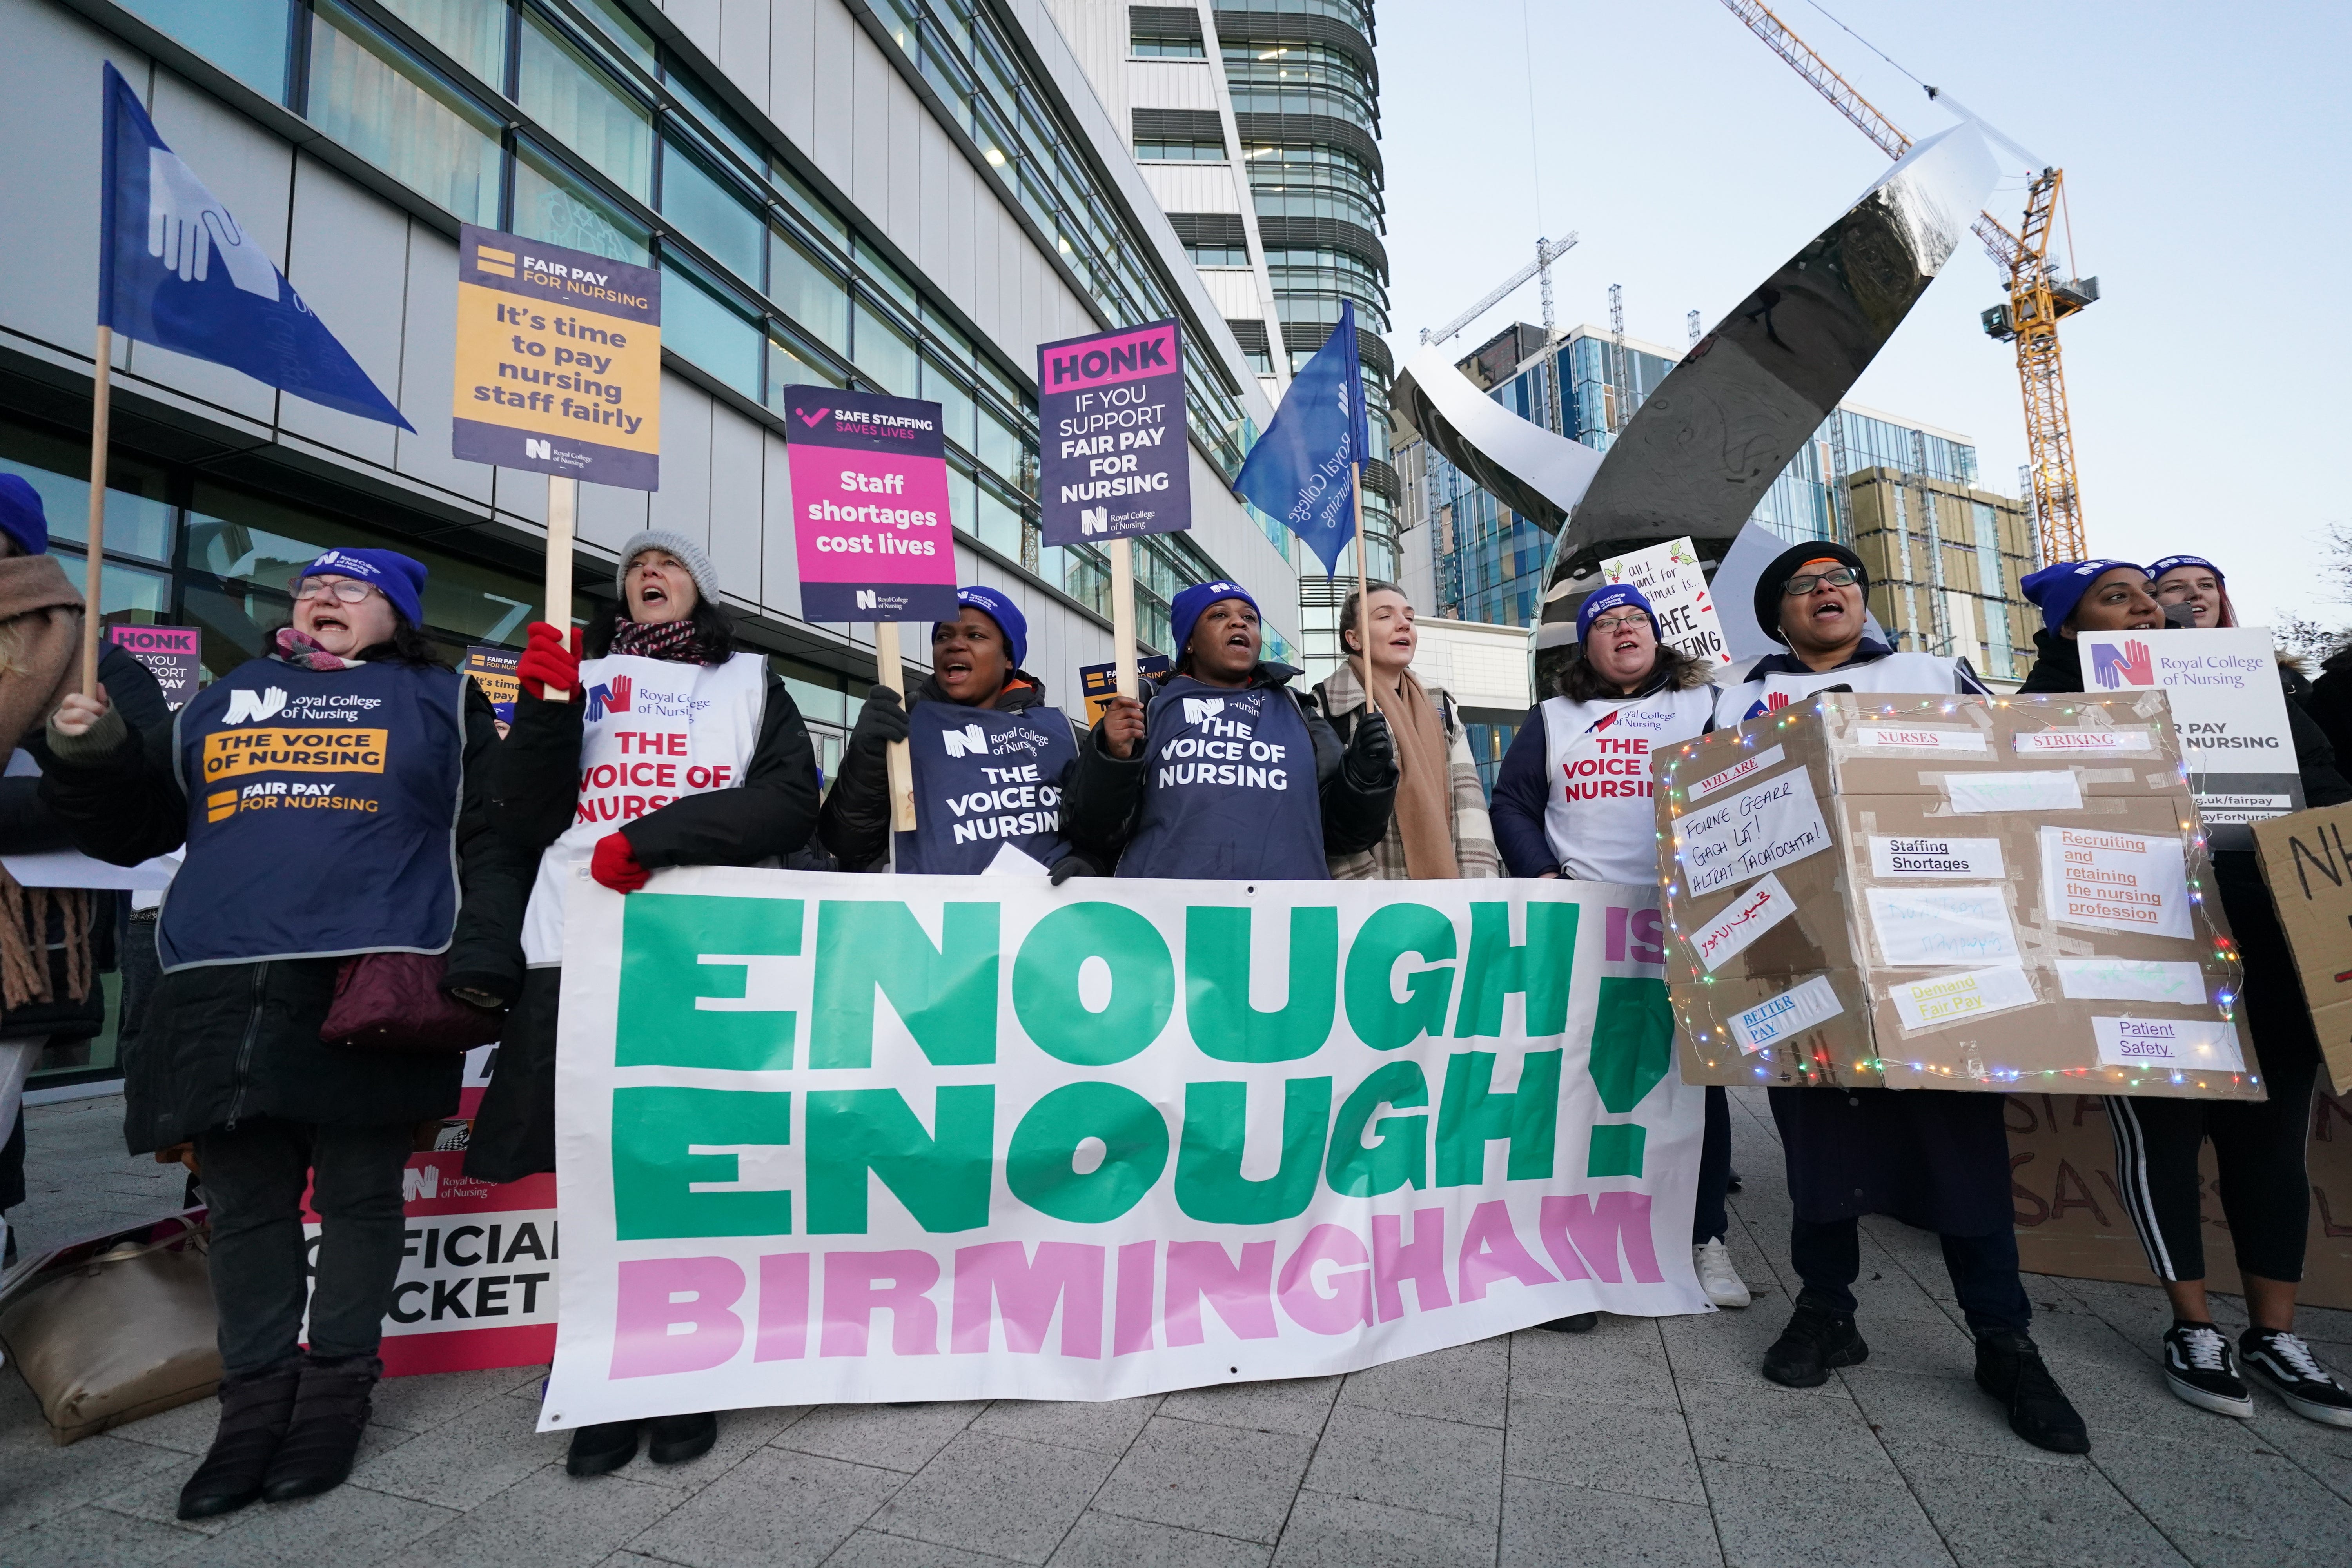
[
  {"x": 116, "y": 1329},
  {"x": 393, "y": 1002}
]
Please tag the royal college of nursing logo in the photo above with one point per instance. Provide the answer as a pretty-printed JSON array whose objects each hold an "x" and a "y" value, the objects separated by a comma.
[
  {"x": 2131, "y": 664},
  {"x": 252, "y": 707},
  {"x": 610, "y": 697}
]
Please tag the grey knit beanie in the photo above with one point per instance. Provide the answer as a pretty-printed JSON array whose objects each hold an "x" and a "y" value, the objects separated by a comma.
[{"x": 698, "y": 561}]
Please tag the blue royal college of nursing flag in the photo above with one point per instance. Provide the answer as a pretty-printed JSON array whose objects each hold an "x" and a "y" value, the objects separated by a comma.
[
  {"x": 1303, "y": 469},
  {"x": 175, "y": 269}
]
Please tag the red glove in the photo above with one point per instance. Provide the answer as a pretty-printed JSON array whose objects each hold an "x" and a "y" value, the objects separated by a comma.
[
  {"x": 547, "y": 661},
  {"x": 615, "y": 864}
]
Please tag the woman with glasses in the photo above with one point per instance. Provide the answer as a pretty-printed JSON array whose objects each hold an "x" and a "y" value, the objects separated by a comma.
[
  {"x": 666, "y": 745},
  {"x": 2258, "y": 1147},
  {"x": 1934, "y": 1159},
  {"x": 331, "y": 808},
  {"x": 1440, "y": 827},
  {"x": 1573, "y": 799}
]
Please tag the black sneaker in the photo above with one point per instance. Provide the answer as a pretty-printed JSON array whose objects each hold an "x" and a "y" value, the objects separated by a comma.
[
  {"x": 2281, "y": 1362},
  {"x": 2010, "y": 1368},
  {"x": 1818, "y": 1338},
  {"x": 1574, "y": 1324},
  {"x": 602, "y": 1447},
  {"x": 2199, "y": 1367}
]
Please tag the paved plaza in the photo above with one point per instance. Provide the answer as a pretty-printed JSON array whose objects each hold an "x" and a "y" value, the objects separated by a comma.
[{"x": 1645, "y": 1442}]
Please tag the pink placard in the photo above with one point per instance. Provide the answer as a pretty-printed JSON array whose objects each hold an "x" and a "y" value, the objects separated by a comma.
[{"x": 870, "y": 507}]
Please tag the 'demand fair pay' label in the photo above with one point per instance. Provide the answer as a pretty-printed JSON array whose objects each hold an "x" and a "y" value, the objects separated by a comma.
[
  {"x": 559, "y": 362},
  {"x": 870, "y": 516}
]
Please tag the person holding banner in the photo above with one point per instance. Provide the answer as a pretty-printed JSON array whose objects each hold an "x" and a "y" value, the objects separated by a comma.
[
  {"x": 1230, "y": 773},
  {"x": 1573, "y": 799},
  {"x": 1440, "y": 827},
  {"x": 2258, "y": 1145},
  {"x": 670, "y": 746},
  {"x": 339, "y": 815},
  {"x": 991, "y": 760},
  {"x": 1934, "y": 1159}
]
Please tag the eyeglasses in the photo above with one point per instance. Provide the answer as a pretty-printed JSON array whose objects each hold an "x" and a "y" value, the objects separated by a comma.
[
  {"x": 1836, "y": 577},
  {"x": 344, "y": 589},
  {"x": 1608, "y": 623}
]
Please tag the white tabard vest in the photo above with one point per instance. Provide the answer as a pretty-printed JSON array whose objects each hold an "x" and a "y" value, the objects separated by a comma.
[
  {"x": 655, "y": 731},
  {"x": 1921, "y": 673},
  {"x": 1598, "y": 815}
]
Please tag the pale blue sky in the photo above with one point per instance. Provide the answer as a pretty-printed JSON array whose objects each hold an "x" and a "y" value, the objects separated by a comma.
[{"x": 2208, "y": 169}]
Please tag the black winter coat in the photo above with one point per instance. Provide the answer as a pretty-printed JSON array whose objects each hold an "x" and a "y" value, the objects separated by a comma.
[
  {"x": 534, "y": 793},
  {"x": 27, "y": 826},
  {"x": 1106, "y": 794},
  {"x": 224, "y": 1044},
  {"x": 855, "y": 826}
]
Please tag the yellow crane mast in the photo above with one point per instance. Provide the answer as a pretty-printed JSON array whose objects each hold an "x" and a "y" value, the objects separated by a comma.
[{"x": 2037, "y": 300}]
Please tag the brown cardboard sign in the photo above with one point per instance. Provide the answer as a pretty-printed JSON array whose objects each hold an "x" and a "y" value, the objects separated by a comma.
[
  {"x": 1948, "y": 892},
  {"x": 2072, "y": 1220},
  {"x": 2306, "y": 858}
]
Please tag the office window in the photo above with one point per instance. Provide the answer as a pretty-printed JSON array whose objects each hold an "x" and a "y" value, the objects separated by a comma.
[
  {"x": 884, "y": 354},
  {"x": 808, "y": 291},
  {"x": 1185, "y": 149},
  {"x": 372, "y": 98},
  {"x": 245, "y": 39},
  {"x": 1164, "y": 31},
  {"x": 708, "y": 212},
  {"x": 713, "y": 335},
  {"x": 586, "y": 110},
  {"x": 999, "y": 524},
  {"x": 137, "y": 519},
  {"x": 471, "y": 32},
  {"x": 549, "y": 204},
  {"x": 791, "y": 366},
  {"x": 890, "y": 280},
  {"x": 956, "y": 409}
]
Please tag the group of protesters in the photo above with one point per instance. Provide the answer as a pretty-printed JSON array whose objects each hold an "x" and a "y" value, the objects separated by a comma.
[{"x": 473, "y": 839}]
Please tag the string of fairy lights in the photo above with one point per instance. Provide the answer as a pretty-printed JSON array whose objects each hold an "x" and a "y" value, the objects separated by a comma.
[{"x": 1813, "y": 1067}]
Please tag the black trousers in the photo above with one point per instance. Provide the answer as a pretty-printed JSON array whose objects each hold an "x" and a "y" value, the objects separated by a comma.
[
  {"x": 253, "y": 1181},
  {"x": 2259, "y": 1148},
  {"x": 1709, "y": 1217},
  {"x": 1828, "y": 1259}
]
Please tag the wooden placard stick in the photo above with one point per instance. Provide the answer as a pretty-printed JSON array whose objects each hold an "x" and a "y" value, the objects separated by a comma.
[
  {"x": 562, "y": 517},
  {"x": 1122, "y": 613},
  {"x": 889, "y": 669},
  {"x": 102, "y": 404}
]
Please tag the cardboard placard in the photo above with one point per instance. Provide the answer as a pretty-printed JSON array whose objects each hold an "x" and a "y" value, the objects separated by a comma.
[
  {"x": 1113, "y": 455},
  {"x": 2072, "y": 1220},
  {"x": 1863, "y": 900},
  {"x": 1670, "y": 578},
  {"x": 558, "y": 361},
  {"x": 2306, "y": 858}
]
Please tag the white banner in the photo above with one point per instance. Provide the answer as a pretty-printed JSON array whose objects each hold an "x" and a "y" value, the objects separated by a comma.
[{"x": 830, "y": 1138}]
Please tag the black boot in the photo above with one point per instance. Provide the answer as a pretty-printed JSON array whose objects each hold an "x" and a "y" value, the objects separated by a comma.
[
  {"x": 256, "y": 1407},
  {"x": 1818, "y": 1338},
  {"x": 601, "y": 1449},
  {"x": 330, "y": 1412},
  {"x": 674, "y": 1439},
  {"x": 1574, "y": 1324},
  {"x": 2010, "y": 1368}
]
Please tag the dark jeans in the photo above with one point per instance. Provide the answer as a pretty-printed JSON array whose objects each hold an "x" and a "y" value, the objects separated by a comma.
[
  {"x": 253, "y": 1180},
  {"x": 1828, "y": 1259},
  {"x": 1710, "y": 1220}
]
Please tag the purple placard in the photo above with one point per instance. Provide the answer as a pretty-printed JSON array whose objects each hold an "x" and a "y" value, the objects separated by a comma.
[
  {"x": 173, "y": 654},
  {"x": 870, "y": 507},
  {"x": 1111, "y": 449}
]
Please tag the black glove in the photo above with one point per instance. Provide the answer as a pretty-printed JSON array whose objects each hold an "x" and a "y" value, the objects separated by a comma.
[
  {"x": 882, "y": 721},
  {"x": 1070, "y": 866},
  {"x": 1370, "y": 760}
]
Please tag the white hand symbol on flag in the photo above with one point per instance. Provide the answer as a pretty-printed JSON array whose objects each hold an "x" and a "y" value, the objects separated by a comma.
[{"x": 185, "y": 223}]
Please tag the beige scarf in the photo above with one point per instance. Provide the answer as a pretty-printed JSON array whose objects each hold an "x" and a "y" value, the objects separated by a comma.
[
  {"x": 40, "y": 633},
  {"x": 1425, "y": 791}
]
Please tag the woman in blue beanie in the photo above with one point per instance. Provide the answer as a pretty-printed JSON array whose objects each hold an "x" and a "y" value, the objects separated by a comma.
[
  {"x": 334, "y": 810},
  {"x": 2264, "y": 1188},
  {"x": 972, "y": 801}
]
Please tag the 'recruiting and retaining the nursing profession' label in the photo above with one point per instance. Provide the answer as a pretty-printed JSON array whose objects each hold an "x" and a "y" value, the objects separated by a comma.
[
  {"x": 559, "y": 362},
  {"x": 870, "y": 506},
  {"x": 829, "y": 1137},
  {"x": 1112, "y": 454}
]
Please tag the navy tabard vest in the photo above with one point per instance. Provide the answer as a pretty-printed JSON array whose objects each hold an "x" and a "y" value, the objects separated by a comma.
[
  {"x": 322, "y": 815},
  {"x": 1229, "y": 787},
  {"x": 984, "y": 780}
]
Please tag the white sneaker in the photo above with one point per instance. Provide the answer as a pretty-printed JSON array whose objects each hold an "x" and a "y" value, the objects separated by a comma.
[{"x": 1717, "y": 1277}]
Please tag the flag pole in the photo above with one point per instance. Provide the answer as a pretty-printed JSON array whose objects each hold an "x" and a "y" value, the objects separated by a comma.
[
  {"x": 889, "y": 667},
  {"x": 1121, "y": 552},
  {"x": 1364, "y": 596},
  {"x": 562, "y": 518},
  {"x": 101, "y": 405}
]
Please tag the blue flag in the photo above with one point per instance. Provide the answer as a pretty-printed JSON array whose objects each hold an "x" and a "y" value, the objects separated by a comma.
[
  {"x": 1301, "y": 470},
  {"x": 175, "y": 269}
]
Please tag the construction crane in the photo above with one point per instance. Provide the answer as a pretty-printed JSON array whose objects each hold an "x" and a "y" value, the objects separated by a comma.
[
  {"x": 2038, "y": 299},
  {"x": 1547, "y": 252}
]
